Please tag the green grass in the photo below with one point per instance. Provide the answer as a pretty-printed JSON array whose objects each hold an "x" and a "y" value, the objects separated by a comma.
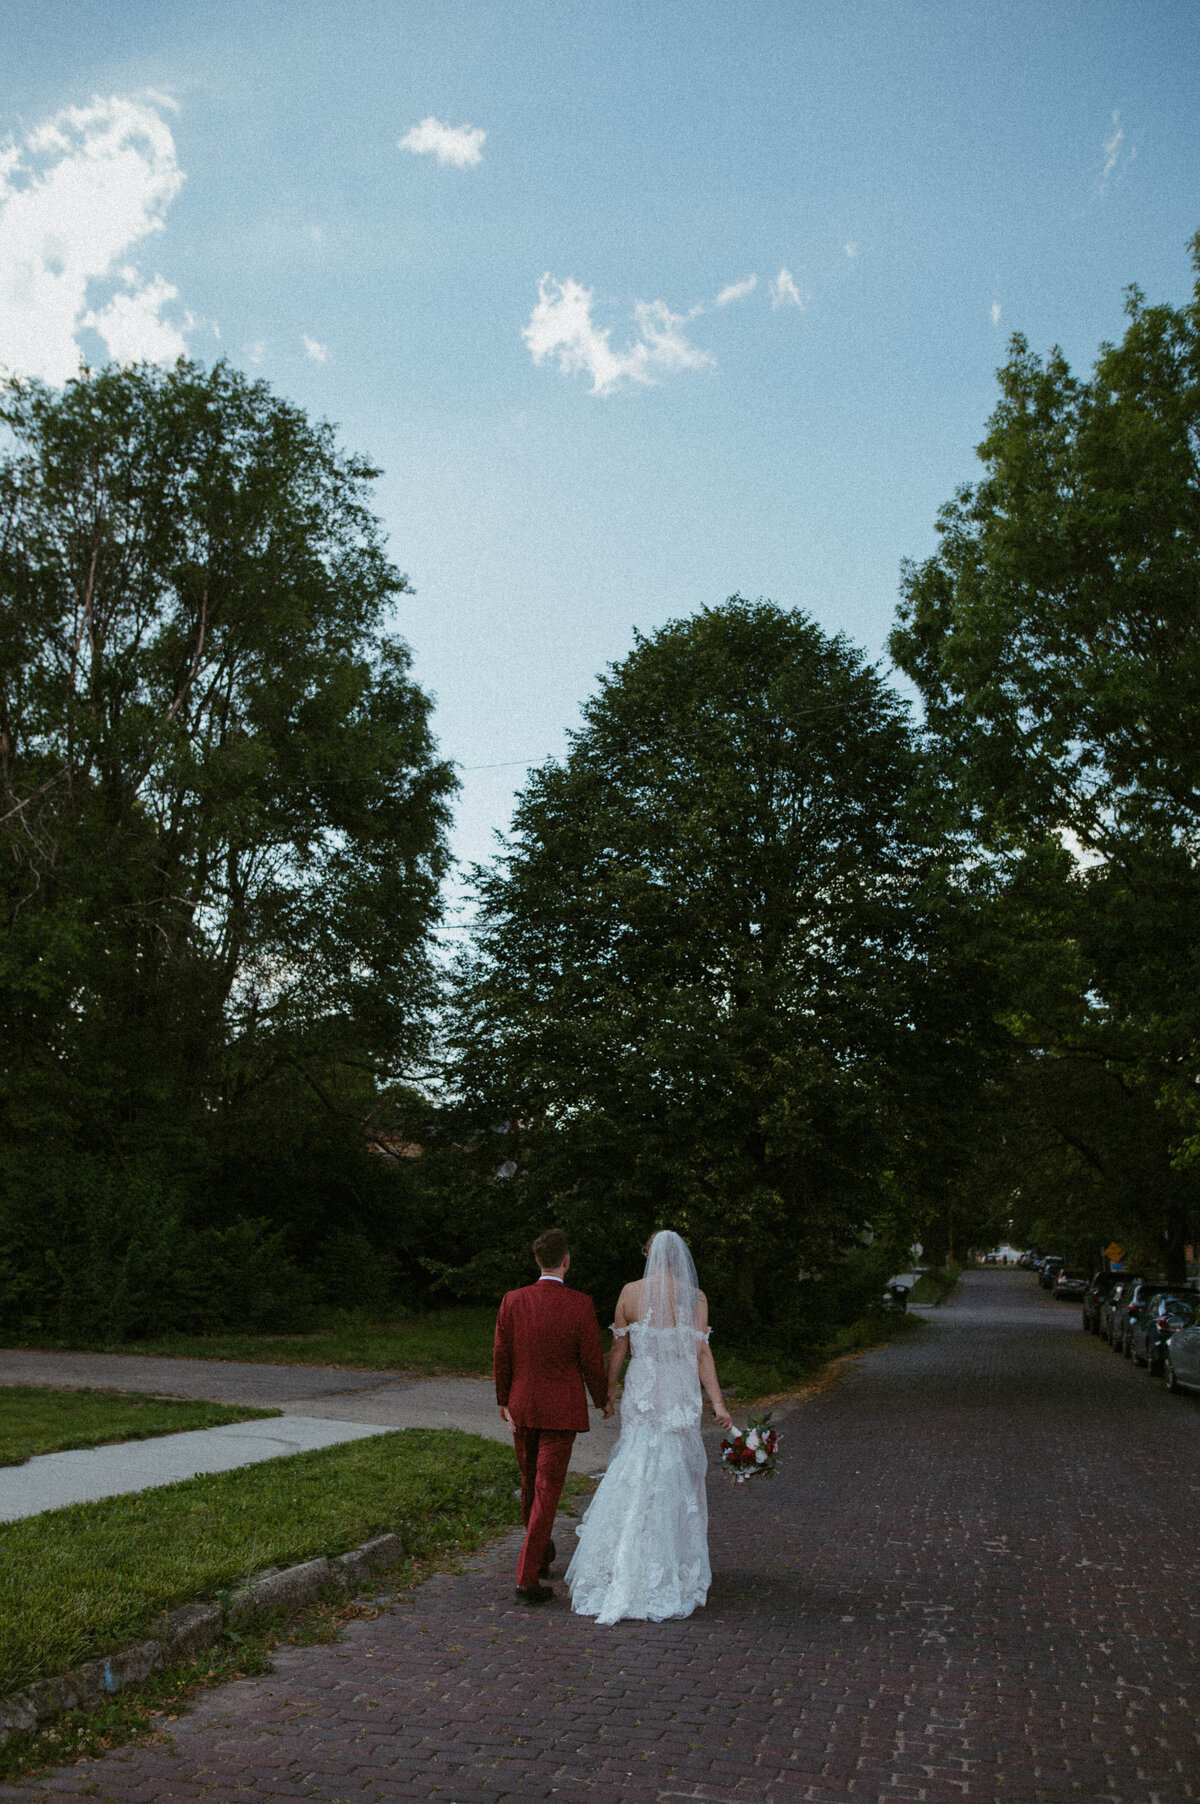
[
  {"x": 147, "y": 1709},
  {"x": 759, "y": 1373},
  {"x": 446, "y": 1340},
  {"x": 79, "y": 1582},
  {"x": 34, "y": 1419},
  {"x": 766, "y": 1372},
  {"x": 459, "y": 1340},
  {"x": 935, "y": 1284}
]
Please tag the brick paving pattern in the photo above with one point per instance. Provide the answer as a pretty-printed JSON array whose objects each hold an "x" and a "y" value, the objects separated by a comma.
[{"x": 974, "y": 1579}]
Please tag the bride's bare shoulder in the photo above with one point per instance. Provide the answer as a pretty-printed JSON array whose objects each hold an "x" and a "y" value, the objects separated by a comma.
[{"x": 627, "y": 1302}]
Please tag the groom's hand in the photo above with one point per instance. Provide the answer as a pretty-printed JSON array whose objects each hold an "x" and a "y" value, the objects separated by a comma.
[{"x": 505, "y": 1415}]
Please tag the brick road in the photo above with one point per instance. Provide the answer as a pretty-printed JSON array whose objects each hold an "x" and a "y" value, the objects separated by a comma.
[{"x": 975, "y": 1579}]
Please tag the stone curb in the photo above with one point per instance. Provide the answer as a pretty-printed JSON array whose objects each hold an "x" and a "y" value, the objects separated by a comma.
[{"x": 191, "y": 1629}]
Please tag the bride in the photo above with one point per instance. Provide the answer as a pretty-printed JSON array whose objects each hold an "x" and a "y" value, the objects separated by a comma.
[{"x": 643, "y": 1540}]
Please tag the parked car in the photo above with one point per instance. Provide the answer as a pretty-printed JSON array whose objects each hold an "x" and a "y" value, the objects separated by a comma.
[
  {"x": 1181, "y": 1357},
  {"x": 1101, "y": 1286},
  {"x": 1134, "y": 1303},
  {"x": 1027, "y": 1261},
  {"x": 1162, "y": 1317},
  {"x": 1049, "y": 1270},
  {"x": 1069, "y": 1286},
  {"x": 1110, "y": 1303}
]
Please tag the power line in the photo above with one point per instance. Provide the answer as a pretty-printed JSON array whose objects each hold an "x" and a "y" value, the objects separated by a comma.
[
  {"x": 507, "y": 764},
  {"x": 798, "y": 713}
]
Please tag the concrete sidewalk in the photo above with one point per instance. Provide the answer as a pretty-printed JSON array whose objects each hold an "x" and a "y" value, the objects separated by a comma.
[
  {"x": 51, "y": 1481},
  {"x": 322, "y": 1406},
  {"x": 467, "y": 1403}
]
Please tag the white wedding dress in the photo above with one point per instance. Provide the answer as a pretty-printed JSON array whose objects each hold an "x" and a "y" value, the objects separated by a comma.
[{"x": 643, "y": 1540}]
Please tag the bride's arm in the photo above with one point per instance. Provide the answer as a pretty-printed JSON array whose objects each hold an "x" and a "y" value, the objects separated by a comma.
[
  {"x": 708, "y": 1371},
  {"x": 620, "y": 1345}
]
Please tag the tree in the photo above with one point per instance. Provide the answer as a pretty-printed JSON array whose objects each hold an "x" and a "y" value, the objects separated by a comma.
[
  {"x": 1055, "y": 633},
  {"x": 1055, "y": 638},
  {"x": 701, "y": 982},
  {"x": 223, "y": 813}
]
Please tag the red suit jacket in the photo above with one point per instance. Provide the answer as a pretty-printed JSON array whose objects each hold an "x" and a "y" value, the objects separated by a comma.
[{"x": 547, "y": 1347}]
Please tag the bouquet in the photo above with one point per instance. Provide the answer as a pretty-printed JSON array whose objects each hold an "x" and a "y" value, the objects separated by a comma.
[{"x": 751, "y": 1452}]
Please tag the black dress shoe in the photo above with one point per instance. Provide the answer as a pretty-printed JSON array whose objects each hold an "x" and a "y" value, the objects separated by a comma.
[
  {"x": 548, "y": 1560},
  {"x": 534, "y": 1594}
]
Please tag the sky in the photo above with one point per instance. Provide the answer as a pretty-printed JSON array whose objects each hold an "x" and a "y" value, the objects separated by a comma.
[{"x": 637, "y": 305}]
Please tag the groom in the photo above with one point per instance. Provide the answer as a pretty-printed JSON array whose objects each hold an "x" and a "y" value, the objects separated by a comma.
[{"x": 547, "y": 1348}]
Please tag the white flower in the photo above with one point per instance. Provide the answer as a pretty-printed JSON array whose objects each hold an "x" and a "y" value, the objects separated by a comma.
[
  {"x": 752, "y": 1438},
  {"x": 760, "y": 1457}
]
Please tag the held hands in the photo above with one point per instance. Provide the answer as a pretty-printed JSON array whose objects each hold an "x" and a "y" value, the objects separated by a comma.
[{"x": 610, "y": 1405}]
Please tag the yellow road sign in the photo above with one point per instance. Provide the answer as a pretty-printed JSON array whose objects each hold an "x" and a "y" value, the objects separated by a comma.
[{"x": 1114, "y": 1254}]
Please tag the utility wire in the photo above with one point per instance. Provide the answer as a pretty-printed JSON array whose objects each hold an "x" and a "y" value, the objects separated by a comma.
[
  {"x": 507, "y": 764},
  {"x": 799, "y": 713}
]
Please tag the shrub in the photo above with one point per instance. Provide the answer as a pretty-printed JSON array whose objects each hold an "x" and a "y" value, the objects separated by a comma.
[{"x": 94, "y": 1255}]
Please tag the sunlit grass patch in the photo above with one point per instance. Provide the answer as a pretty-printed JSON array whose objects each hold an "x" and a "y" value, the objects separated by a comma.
[
  {"x": 935, "y": 1284},
  {"x": 35, "y": 1419},
  {"x": 79, "y": 1582}
]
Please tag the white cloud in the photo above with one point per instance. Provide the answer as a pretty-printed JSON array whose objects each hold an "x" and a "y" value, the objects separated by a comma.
[
  {"x": 1114, "y": 157},
  {"x": 132, "y": 325},
  {"x": 736, "y": 291},
  {"x": 562, "y": 325},
  {"x": 460, "y": 145},
  {"x": 318, "y": 352},
  {"x": 784, "y": 292},
  {"x": 256, "y": 352},
  {"x": 850, "y": 247},
  {"x": 75, "y": 195},
  {"x": 1112, "y": 146},
  {"x": 995, "y": 313}
]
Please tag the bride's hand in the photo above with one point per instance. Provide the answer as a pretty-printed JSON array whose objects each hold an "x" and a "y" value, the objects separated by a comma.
[{"x": 724, "y": 1419}]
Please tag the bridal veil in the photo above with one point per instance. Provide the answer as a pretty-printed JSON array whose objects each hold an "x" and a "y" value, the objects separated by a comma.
[{"x": 643, "y": 1541}]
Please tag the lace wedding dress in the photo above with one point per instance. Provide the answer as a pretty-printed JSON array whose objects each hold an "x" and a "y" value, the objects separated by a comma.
[{"x": 643, "y": 1540}]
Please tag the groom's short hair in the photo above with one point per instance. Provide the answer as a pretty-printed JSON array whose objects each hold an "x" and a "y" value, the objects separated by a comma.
[{"x": 550, "y": 1249}]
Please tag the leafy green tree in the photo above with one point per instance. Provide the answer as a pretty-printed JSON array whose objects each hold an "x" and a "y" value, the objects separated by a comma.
[
  {"x": 1055, "y": 638},
  {"x": 1055, "y": 633},
  {"x": 702, "y": 985},
  {"x": 223, "y": 815},
  {"x": 1076, "y": 1157}
]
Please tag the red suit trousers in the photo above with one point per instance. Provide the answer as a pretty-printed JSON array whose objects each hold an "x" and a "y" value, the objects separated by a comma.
[{"x": 543, "y": 1455}]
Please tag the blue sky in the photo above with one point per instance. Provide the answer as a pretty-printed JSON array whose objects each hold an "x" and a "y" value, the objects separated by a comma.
[{"x": 907, "y": 183}]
